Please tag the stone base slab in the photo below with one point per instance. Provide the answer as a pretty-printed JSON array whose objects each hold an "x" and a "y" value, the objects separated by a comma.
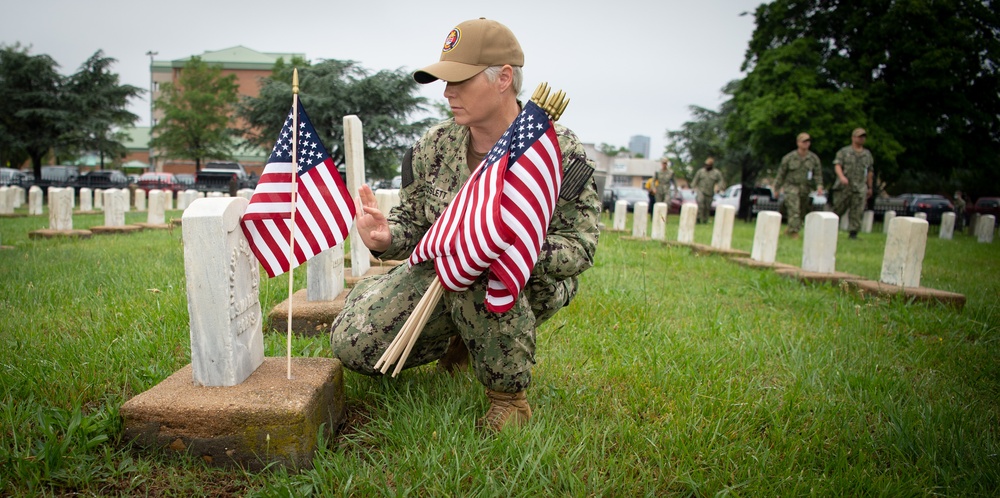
[
  {"x": 266, "y": 419},
  {"x": 155, "y": 226},
  {"x": 709, "y": 250},
  {"x": 12, "y": 215},
  {"x": 350, "y": 280},
  {"x": 46, "y": 233},
  {"x": 753, "y": 263},
  {"x": 640, "y": 239},
  {"x": 103, "y": 229},
  {"x": 308, "y": 317},
  {"x": 815, "y": 277},
  {"x": 919, "y": 294}
]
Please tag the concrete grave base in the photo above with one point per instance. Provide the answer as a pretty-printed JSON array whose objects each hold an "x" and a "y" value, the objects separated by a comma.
[
  {"x": 308, "y": 317},
  {"x": 815, "y": 277},
  {"x": 640, "y": 239},
  {"x": 47, "y": 233},
  {"x": 753, "y": 263},
  {"x": 175, "y": 221},
  {"x": 709, "y": 250},
  {"x": 155, "y": 226},
  {"x": 266, "y": 419},
  {"x": 350, "y": 280},
  {"x": 103, "y": 229},
  {"x": 12, "y": 215},
  {"x": 919, "y": 294},
  {"x": 675, "y": 243}
]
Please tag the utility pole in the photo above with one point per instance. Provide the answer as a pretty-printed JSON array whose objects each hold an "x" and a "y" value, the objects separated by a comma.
[{"x": 152, "y": 162}]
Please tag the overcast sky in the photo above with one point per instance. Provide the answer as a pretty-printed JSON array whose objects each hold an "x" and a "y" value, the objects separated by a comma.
[{"x": 630, "y": 67}]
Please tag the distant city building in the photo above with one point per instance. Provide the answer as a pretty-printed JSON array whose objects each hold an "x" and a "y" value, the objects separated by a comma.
[{"x": 639, "y": 144}]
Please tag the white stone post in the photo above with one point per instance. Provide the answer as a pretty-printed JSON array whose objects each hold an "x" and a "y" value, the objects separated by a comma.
[
  {"x": 621, "y": 215},
  {"x": 889, "y": 215},
  {"x": 223, "y": 293},
  {"x": 920, "y": 215},
  {"x": 99, "y": 199},
  {"x": 867, "y": 220},
  {"x": 60, "y": 208},
  {"x": 157, "y": 206},
  {"x": 325, "y": 275},
  {"x": 904, "y": 252},
  {"x": 114, "y": 207},
  {"x": 765, "y": 236},
  {"x": 947, "y": 229},
  {"x": 354, "y": 158},
  {"x": 140, "y": 199},
  {"x": 984, "y": 230},
  {"x": 168, "y": 200},
  {"x": 722, "y": 227},
  {"x": 685, "y": 229},
  {"x": 387, "y": 198},
  {"x": 819, "y": 243},
  {"x": 659, "y": 231},
  {"x": 19, "y": 196},
  {"x": 36, "y": 203},
  {"x": 86, "y": 199},
  {"x": 6, "y": 200},
  {"x": 640, "y": 218}
]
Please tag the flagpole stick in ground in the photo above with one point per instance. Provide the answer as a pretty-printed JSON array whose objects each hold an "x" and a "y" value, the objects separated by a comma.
[
  {"x": 291, "y": 228},
  {"x": 554, "y": 105}
]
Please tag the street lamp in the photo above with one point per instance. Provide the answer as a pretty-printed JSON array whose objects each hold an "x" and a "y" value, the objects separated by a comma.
[{"x": 152, "y": 163}]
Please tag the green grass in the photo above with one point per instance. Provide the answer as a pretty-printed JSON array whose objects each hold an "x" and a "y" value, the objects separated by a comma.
[{"x": 669, "y": 374}]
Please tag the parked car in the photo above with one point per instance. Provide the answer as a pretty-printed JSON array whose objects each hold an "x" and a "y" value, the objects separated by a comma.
[
  {"x": 631, "y": 195},
  {"x": 988, "y": 205},
  {"x": 932, "y": 205},
  {"x": 185, "y": 179},
  {"x": 218, "y": 177},
  {"x": 728, "y": 197},
  {"x": 102, "y": 179},
  {"x": 679, "y": 197},
  {"x": 11, "y": 176},
  {"x": 160, "y": 181},
  {"x": 58, "y": 176}
]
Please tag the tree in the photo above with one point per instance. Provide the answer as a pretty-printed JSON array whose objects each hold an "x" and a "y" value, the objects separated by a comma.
[
  {"x": 98, "y": 103},
  {"x": 33, "y": 114},
  {"x": 384, "y": 102},
  {"x": 920, "y": 75},
  {"x": 612, "y": 151},
  {"x": 196, "y": 114}
]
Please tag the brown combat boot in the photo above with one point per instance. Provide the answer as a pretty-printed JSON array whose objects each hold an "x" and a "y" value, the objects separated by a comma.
[
  {"x": 456, "y": 358},
  {"x": 505, "y": 408}
]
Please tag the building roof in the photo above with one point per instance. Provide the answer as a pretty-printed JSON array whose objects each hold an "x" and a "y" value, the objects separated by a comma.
[{"x": 238, "y": 57}]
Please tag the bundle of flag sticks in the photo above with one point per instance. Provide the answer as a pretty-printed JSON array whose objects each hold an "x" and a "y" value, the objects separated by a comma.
[{"x": 553, "y": 106}]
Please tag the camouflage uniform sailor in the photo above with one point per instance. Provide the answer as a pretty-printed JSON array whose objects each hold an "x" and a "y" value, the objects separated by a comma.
[
  {"x": 502, "y": 345},
  {"x": 853, "y": 166},
  {"x": 707, "y": 181},
  {"x": 662, "y": 181},
  {"x": 797, "y": 172}
]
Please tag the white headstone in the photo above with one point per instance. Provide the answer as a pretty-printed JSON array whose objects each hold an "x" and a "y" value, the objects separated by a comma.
[
  {"x": 984, "y": 231},
  {"x": 99, "y": 199},
  {"x": 6, "y": 200},
  {"x": 114, "y": 207},
  {"x": 185, "y": 198},
  {"x": 215, "y": 194},
  {"x": 765, "y": 236},
  {"x": 140, "y": 199},
  {"x": 685, "y": 228},
  {"x": 86, "y": 199},
  {"x": 659, "y": 231},
  {"x": 325, "y": 275},
  {"x": 387, "y": 198},
  {"x": 354, "y": 159},
  {"x": 223, "y": 293},
  {"x": 157, "y": 204},
  {"x": 60, "y": 208},
  {"x": 245, "y": 193},
  {"x": 168, "y": 202},
  {"x": 621, "y": 214},
  {"x": 845, "y": 222},
  {"x": 889, "y": 215},
  {"x": 36, "y": 201},
  {"x": 947, "y": 230},
  {"x": 20, "y": 196},
  {"x": 904, "y": 252},
  {"x": 920, "y": 215},
  {"x": 867, "y": 220},
  {"x": 640, "y": 218},
  {"x": 722, "y": 227},
  {"x": 819, "y": 242}
]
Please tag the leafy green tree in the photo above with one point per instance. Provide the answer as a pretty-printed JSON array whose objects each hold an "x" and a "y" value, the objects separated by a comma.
[
  {"x": 384, "y": 102},
  {"x": 33, "y": 114},
  {"x": 613, "y": 151},
  {"x": 920, "y": 75},
  {"x": 196, "y": 114},
  {"x": 99, "y": 104}
]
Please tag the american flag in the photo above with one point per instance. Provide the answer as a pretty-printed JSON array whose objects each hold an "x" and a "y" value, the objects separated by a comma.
[
  {"x": 324, "y": 211},
  {"x": 498, "y": 220}
]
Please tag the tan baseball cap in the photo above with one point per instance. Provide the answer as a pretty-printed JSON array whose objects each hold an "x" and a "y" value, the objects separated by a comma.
[
  {"x": 858, "y": 132},
  {"x": 470, "y": 48},
  {"x": 802, "y": 136}
]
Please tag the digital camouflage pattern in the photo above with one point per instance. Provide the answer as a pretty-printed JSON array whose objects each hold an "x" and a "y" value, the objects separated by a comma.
[
  {"x": 662, "y": 183},
  {"x": 855, "y": 166},
  {"x": 705, "y": 183},
  {"x": 502, "y": 345},
  {"x": 796, "y": 174}
]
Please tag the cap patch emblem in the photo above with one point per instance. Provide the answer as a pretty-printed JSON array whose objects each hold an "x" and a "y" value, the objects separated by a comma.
[{"x": 452, "y": 40}]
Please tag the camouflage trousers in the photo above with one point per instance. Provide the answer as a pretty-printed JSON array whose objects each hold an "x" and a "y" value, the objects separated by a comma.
[
  {"x": 797, "y": 205},
  {"x": 850, "y": 199},
  {"x": 704, "y": 207},
  {"x": 502, "y": 345}
]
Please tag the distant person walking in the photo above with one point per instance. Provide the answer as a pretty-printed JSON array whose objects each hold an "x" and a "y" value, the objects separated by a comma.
[
  {"x": 707, "y": 181},
  {"x": 796, "y": 174},
  {"x": 853, "y": 166},
  {"x": 662, "y": 181},
  {"x": 959, "y": 210}
]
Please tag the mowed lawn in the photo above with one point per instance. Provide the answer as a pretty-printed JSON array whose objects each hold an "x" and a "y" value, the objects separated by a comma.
[{"x": 669, "y": 374}]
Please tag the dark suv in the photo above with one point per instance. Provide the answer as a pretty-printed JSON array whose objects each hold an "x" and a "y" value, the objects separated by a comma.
[{"x": 103, "y": 179}]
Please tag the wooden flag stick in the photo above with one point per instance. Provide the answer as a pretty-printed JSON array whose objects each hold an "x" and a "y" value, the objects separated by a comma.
[
  {"x": 426, "y": 306},
  {"x": 291, "y": 228}
]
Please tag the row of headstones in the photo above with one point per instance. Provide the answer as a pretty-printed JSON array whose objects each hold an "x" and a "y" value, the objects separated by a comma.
[
  {"x": 114, "y": 203},
  {"x": 11, "y": 198},
  {"x": 725, "y": 217}
]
